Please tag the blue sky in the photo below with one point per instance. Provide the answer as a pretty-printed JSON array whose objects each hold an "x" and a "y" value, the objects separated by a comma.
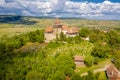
[
  {"x": 91, "y": 9},
  {"x": 95, "y": 1}
]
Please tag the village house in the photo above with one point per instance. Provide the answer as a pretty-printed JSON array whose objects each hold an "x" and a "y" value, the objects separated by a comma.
[
  {"x": 79, "y": 60},
  {"x": 53, "y": 32},
  {"x": 113, "y": 73}
]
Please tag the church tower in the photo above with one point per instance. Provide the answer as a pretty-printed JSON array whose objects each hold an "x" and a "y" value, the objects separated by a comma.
[{"x": 57, "y": 27}]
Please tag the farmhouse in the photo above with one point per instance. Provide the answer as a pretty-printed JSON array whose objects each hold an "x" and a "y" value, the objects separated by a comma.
[
  {"x": 79, "y": 61},
  {"x": 113, "y": 73},
  {"x": 53, "y": 32}
]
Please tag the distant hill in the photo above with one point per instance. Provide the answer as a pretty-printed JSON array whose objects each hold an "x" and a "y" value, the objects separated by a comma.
[
  {"x": 48, "y": 21},
  {"x": 15, "y": 20}
]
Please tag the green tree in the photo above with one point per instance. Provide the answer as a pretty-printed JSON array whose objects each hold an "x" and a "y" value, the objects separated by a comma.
[
  {"x": 62, "y": 36},
  {"x": 2, "y": 48},
  {"x": 70, "y": 40},
  {"x": 101, "y": 50},
  {"x": 75, "y": 76},
  {"x": 77, "y": 39},
  {"x": 35, "y": 75},
  {"x": 84, "y": 32},
  {"x": 90, "y": 76},
  {"x": 97, "y": 35},
  {"x": 114, "y": 39},
  {"x": 58, "y": 75},
  {"x": 116, "y": 59},
  {"x": 37, "y": 36},
  {"x": 89, "y": 60},
  {"x": 66, "y": 64}
]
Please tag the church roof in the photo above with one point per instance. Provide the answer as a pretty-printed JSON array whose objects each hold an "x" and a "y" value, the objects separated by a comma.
[
  {"x": 57, "y": 21},
  {"x": 65, "y": 27},
  {"x": 49, "y": 29},
  {"x": 73, "y": 30},
  {"x": 78, "y": 58},
  {"x": 112, "y": 72}
]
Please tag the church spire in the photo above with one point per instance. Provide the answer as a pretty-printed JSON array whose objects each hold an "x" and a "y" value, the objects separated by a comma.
[{"x": 57, "y": 21}]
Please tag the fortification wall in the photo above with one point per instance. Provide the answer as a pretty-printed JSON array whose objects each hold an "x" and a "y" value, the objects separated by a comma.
[{"x": 49, "y": 37}]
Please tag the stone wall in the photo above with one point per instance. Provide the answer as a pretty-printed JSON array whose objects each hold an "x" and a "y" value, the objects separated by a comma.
[{"x": 49, "y": 37}]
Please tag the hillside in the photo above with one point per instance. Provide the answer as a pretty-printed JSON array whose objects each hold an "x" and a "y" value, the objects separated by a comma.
[{"x": 24, "y": 55}]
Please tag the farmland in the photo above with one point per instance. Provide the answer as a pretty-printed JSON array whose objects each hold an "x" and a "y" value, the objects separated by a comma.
[{"x": 15, "y": 28}]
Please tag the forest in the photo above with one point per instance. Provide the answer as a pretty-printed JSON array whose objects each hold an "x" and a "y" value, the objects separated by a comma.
[{"x": 27, "y": 57}]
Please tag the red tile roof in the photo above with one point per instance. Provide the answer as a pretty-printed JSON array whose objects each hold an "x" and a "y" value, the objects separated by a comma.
[
  {"x": 57, "y": 21},
  {"x": 113, "y": 73},
  {"x": 73, "y": 30},
  {"x": 78, "y": 58},
  {"x": 65, "y": 27},
  {"x": 49, "y": 30}
]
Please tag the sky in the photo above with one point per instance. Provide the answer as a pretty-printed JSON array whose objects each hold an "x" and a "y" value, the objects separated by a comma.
[{"x": 90, "y": 9}]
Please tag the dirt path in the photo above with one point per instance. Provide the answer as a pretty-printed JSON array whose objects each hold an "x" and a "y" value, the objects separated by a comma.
[{"x": 95, "y": 71}]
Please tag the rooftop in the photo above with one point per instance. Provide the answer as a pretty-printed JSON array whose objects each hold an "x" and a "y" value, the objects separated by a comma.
[
  {"x": 65, "y": 27},
  {"x": 49, "y": 30},
  {"x": 57, "y": 21},
  {"x": 73, "y": 30},
  {"x": 112, "y": 72},
  {"x": 78, "y": 58}
]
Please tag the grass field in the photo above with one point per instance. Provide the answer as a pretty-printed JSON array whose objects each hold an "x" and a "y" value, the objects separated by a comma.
[{"x": 83, "y": 48}]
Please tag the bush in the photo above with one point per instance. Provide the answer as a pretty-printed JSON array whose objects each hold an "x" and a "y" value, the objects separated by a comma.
[
  {"x": 75, "y": 76},
  {"x": 89, "y": 60},
  {"x": 96, "y": 60},
  {"x": 117, "y": 59},
  {"x": 101, "y": 50},
  {"x": 84, "y": 32},
  {"x": 97, "y": 35}
]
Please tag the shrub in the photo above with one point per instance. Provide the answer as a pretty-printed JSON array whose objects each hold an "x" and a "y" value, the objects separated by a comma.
[
  {"x": 96, "y": 60},
  {"x": 89, "y": 60},
  {"x": 75, "y": 76}
]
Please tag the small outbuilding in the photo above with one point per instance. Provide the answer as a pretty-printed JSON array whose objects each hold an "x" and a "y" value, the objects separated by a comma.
[
  {"x": 113, "y": 73},
  {"x": 79, "y": 60}
]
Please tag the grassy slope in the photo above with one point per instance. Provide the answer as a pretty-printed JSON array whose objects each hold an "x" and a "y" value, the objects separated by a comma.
[{"x": 83, "y": 49}]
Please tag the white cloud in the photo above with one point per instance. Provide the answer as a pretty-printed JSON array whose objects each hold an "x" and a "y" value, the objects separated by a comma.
[
  {"x": 2, "y": 2},
  {"x": 61, "y": 8}
]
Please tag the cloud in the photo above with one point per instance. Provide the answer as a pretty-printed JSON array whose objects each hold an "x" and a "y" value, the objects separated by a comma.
[
  {"x": 61, "y": 8},
  {"x": 94, "y": 10}
]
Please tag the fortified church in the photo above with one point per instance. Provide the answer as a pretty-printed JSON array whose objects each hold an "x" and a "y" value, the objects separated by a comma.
[{"x": 53, "y": 32}]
